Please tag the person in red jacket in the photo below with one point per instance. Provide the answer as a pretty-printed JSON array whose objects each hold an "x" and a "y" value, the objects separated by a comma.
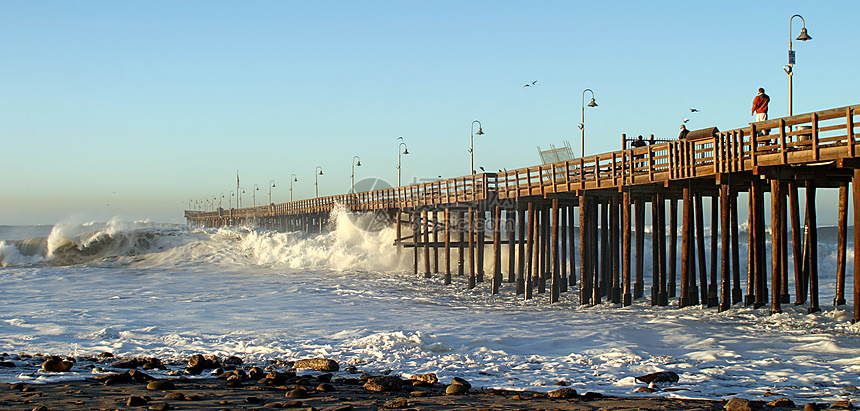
[{"x": 759, "y": 107}]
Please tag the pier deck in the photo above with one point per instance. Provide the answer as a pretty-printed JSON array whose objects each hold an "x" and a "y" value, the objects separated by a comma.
[{"x": 587, "y": 215}]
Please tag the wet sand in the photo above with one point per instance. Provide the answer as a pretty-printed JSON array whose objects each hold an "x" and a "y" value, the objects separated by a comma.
[{"x": 215, "y": 394}]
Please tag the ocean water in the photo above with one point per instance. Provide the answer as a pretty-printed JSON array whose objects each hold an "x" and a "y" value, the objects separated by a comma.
[{"x": 144, "y": 289}]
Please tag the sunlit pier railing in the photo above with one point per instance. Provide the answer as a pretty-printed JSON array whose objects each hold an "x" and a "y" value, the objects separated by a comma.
[{"x": 802, "y": 139}]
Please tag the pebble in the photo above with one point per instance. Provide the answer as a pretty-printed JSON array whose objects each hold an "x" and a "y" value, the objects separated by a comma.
[
  {"x": 660, "y": 376},
  {"x": 563, "y": 393},
  {"x": 429, "y": 378},
  {"x": 135, "y": 401},
  {"x": 159, "y": 385},
  {"x": 318, "y": 364},
  {"x": 456, "y": 389},
  {"x": 396, "y": 403},
  {"x": 738, "y": 404}
]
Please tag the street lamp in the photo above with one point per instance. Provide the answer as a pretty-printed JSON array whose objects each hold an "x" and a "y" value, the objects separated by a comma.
[
  {"x": 317, "y": 180},
  {"x": 271, "y": 184},
  {"x": 240, "y": 197},
  {"x": 293, "y": 178},
  {"x": 221, "y": 201},
  {"x": 582, "y": 124},
  {"x": 230, "y": 200},
  {"x": 472, "y": 145},
  {"x": 788, "y": 69},
  {"x": 254, "y": 194},
  {"x": 405, "y": 151},
  {"x": 352, "y": 176}
]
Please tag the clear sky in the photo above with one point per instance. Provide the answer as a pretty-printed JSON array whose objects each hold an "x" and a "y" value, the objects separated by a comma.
[{"x": 135, "y": 109}]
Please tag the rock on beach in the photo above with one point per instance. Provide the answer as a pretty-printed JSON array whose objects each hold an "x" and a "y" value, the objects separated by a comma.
[{"x": 318, "y": 364}]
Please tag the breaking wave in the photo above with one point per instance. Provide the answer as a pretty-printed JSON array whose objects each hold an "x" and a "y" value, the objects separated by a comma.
[{"x": 346, "y": 247}]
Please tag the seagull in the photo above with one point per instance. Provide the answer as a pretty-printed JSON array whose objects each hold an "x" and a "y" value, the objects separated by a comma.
[
  {"x": 400, "y": 138},
  {"x": 482, "y": 168},
  {"x": 694, "y": 110},
  {"x": 530, "y": 84},
  {"x": 686, "y": 119}
]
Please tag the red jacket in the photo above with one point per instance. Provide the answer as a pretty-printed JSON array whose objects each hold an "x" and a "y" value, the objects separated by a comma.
[{"x": 760, "y": 103}]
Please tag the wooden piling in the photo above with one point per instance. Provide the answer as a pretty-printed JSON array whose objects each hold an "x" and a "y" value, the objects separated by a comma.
[
  {"x": 725, "y": 248},
  {"x": 639, "y": 280},
  {"x": 700, "y": 246},
  {"x": 497, "y": 260},
  {"x": 841, "y": 244},
  {"x": 426, "y": 226},
  {"x": 521, "y": 248},
  {"x": 627, "y": 298},
  {"x": 480, "y": 231},
  {"x": 686, "y": 257},
  {"x": 555, "y": 286},
  {"x": 813, "y": 246},
  {"x": 530, "y": 248},
  {"x": 447, "y": 216},
  {"x": 776, "y": 245},
  {"x": 584, "y": 288},
  {"x": 855, "y": 190},
  {"x": 673, "y": 247},
  {"x": 471, "y": 235}
]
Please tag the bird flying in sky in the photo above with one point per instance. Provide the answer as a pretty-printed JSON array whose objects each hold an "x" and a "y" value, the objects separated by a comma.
[
  {"x": 531, "y": 84},
  {"x": 694, "y": 110}
]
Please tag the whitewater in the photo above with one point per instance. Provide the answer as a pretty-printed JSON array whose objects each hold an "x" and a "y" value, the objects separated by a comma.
[{"x": 170, "y": 291}]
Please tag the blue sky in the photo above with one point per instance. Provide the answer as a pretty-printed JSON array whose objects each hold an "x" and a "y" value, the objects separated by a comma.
[{"x": 131, "y": 109}]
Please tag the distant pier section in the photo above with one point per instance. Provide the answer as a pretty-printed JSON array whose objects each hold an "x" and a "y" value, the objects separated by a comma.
[{"x": 580, "y": 224}]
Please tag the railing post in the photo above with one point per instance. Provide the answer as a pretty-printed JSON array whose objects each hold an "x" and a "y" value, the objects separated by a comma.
[
  {"x": 849, "y": 126},
  {"x": 782, "y": 148},
  {"x": 815, "y": 149}
]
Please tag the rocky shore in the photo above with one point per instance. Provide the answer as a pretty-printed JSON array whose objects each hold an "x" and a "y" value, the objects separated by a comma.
[{"x": 213, "y": 383}]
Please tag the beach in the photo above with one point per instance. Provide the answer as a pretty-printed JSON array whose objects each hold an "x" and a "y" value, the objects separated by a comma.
[{"x": 143, "y": 290}]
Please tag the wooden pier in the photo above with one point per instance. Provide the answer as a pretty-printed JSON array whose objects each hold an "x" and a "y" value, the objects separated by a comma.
[{"x": 582, "y": 222}]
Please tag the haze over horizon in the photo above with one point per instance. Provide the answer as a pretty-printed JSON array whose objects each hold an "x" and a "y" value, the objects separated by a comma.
[{"x": 136, "y": 109}]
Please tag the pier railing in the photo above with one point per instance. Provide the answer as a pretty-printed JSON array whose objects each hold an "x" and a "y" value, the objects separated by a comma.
[{"x": 802, "y": 139}]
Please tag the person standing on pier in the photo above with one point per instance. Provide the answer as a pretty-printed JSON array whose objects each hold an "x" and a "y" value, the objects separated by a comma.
[
  {"x": 684, "y": 132},
  {"x": 759, "y": 107}
]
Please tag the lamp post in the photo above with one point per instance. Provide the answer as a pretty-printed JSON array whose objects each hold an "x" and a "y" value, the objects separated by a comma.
[
  {"x": 317, "y": 180},
  {"x": 230, "y": 200},
  {"x": 582, "y": 123},
  {"x": 472, "y": 145},
  {"x": 254, "y": 194},
  {"x": 240, "y": 197},
  {"x": 405, "y": 151},
  {"x": 788, "y": 69},
  {"x": 352, "y": 176},
  {"x": 213, "y": 202},
  {"x": 221, "y": 201},
  {"x": 271, "y": 184},
  {"x": 293, "y": 179}
]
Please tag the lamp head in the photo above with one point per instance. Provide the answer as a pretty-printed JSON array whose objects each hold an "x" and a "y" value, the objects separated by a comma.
[
  {"x": 321, "y": 173},
  {"x": 405, "y": 151},
  {"x": 804, "y": 35},
  {"x": 480, "y": 132},
  {"x": 592, "y": 103},
  {"x": 295, "y": 179},
  {"x": 358, "y": 164},
  {"x": 273, "y": 185}
]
